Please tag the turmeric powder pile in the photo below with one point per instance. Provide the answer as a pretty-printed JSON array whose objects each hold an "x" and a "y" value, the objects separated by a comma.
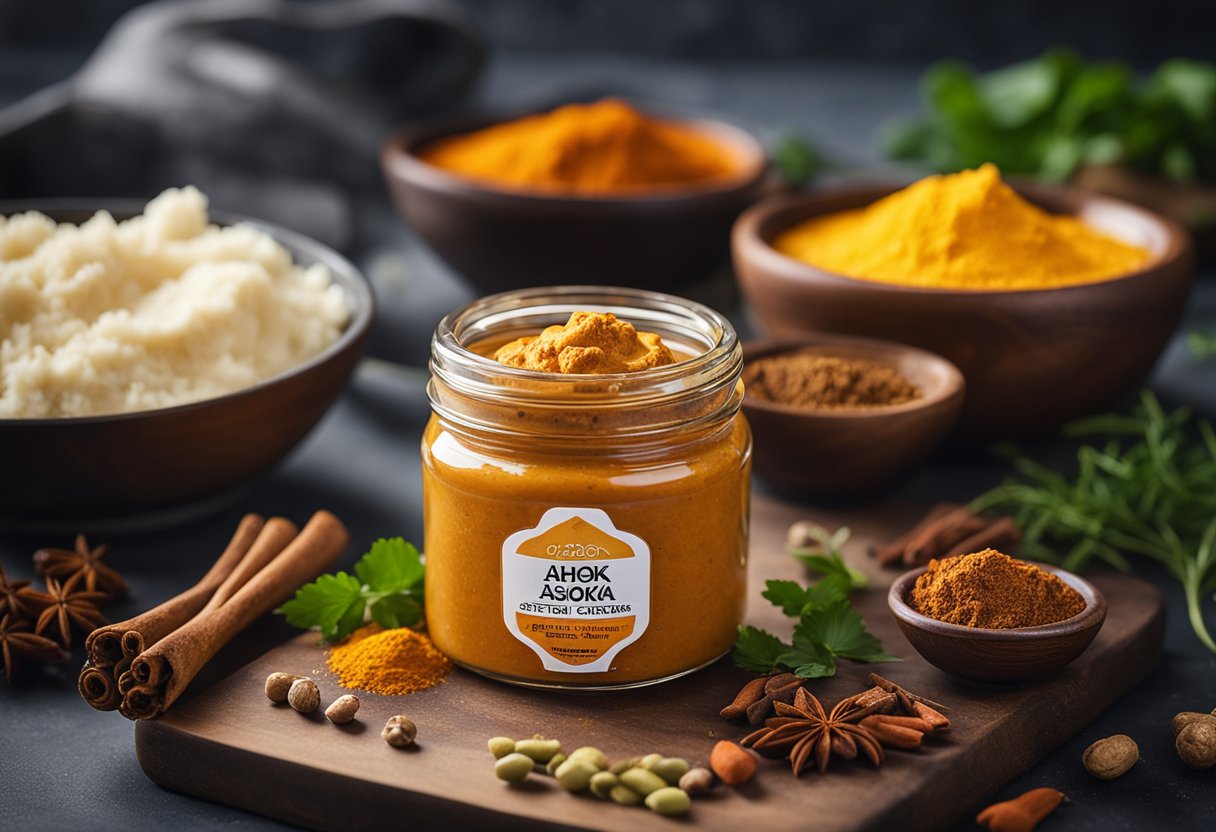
[
  {"x": 589, "y": 149},
  {"x": 967, "y": 230},
  {"x": 389, "y": 662},
  {"x": 590, "y": 342},
  {"x": 991, "y": 590}
]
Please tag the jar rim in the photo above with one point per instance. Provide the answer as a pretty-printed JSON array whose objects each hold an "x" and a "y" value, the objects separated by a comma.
[
  {"x": 447, "y": 341},
  {"x": 666, "y": 395}
]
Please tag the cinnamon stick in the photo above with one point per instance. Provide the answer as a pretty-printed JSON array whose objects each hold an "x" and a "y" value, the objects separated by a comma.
[
  {"x": 167, "y": 667},
  {"x": 106, "y": 645},
  {"x": 892, "y": 554},
  {"x": 943, "y": 533},
  {"x": 1000, "y": 534},
  {"x": 112, "y": 647}
]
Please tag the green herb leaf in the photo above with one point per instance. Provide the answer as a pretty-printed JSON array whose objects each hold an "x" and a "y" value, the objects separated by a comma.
[
  {"x": 841, "y": 630},
  {"x": 797, "y": 160},
  {"x": 391, "y": 565},
  {"x": 387, "y": 587},
  {"x": 333, "y": 603},
  {"x": 757, "y": 650}
]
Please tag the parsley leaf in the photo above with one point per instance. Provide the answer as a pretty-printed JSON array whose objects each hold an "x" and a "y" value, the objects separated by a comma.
[
  {"x": 757, "y": 650},
  {"x": 827, "y": 629},
  {"x": 387, "y": 588}
]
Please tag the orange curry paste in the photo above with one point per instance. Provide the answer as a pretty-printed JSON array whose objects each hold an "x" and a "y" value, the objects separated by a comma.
[{"x": 586, "y": 492}]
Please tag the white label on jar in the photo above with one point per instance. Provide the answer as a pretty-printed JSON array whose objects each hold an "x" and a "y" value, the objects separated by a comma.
[{"x": 576, "y": 589}]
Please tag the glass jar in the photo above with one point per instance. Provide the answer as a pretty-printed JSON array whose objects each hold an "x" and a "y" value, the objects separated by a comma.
[{"x": 585, "y": 531}]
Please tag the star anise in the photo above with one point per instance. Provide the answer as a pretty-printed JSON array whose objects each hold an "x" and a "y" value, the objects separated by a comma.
[
  {"x": 805, "y": 730},
  {"x": 84, "y": 560},
  {"x": 19, "y": 600},
  {"x": 66, "y": 605},
  {"x": 17, "y": 644}
]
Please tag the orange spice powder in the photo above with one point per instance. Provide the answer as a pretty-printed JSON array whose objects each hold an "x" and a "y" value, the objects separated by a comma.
[
  {"x": 991, "y": 590},
  {"x": 389, "y": 662}
]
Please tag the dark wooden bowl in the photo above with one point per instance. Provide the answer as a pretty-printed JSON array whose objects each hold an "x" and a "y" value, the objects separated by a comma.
[
  {"x": 1033, "y": 359},
  {"x": 852, "y": 452},
  {"x": 153, "y": 465},
  {"x": 999, "y": 655},
  {"x": 500, "y": 239}
]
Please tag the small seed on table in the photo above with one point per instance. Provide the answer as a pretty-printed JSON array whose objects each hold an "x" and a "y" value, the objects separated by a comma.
[
  {"x": 304, "y": 696},
  {"x": 342, "y": 710},
  {"x": 277, "y": 685},
  {"x": 514, "y": 768},
  {"x": 399, "y": 731},
  {"x": 501, "y": 746},
  {"x": 697, "y": 781}
]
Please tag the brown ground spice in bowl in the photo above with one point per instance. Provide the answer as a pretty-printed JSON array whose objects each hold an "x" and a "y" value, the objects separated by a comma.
[
  {"x": 991, "y": 590},
  {"x": 818, "y": 381}
]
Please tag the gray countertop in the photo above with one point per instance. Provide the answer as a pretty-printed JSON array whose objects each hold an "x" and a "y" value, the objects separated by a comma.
[{"x": 64, "y": 766}]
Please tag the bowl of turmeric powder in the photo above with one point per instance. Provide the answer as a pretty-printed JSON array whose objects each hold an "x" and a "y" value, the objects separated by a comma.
[
  {"x": 993, "y": 618},
  {"x": 1054, "y": 303},
  {"x": 598, "y": 193},
  {"x": 840, "y": 417}
]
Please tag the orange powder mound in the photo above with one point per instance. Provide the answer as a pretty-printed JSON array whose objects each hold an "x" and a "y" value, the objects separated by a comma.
[
  {"x": 590, "y": 342},
  {"x": 991, "y": 590},
  {"x": 389, "y": 662},
  {"x": 603, "y": 147}
]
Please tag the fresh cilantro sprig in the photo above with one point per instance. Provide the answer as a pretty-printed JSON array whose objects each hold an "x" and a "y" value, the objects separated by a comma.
[
  {"x": 386, "y": 588},
  {"x": 828, "y": 627}
]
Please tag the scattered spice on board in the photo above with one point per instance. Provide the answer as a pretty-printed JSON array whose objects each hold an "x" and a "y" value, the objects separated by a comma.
[
  {"x": 991, "y": 590},
  {"x": 817, "y": 381},
  {"x": 388, "y": 662},
  {"x": 605, "y": 147},
  {"x": 967, "y": 230}
]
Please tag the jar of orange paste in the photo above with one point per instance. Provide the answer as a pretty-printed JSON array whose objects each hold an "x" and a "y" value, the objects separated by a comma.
[{"x": 585, "y": 530}]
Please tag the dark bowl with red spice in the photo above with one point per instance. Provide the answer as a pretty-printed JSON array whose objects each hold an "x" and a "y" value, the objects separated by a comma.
[{"x": 1007, "y": 655}]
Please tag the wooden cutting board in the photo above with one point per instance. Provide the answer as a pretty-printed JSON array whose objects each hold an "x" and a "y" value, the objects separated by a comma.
[{"x": 229, "y": 744}]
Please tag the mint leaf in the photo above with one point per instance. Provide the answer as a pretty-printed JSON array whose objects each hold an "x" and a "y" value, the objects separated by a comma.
[
  {"x": 809, "y": 658},
  {"x": 332, "y": 603},
  {"x": 757, "y": 650},
  {"x": 391, "y": 565}
]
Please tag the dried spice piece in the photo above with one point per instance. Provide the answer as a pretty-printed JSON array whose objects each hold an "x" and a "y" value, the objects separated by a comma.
[
  {"x": 733, "y": 765},
  {"x": 805, "y": 730},
  {"x": 914, "y": 705},
  {"x": 20, "y": 600},
  {"x": 756, "y": 699},
  {"x": 991, "y": 590},
  {"x": 1112, "y": 757},
  {"x": 17, "y": 645},
  {"x": 64, "y": 564},
  {"x": 1023, "y": 813},
  {"x": 66, "y": 605},
  {"x": 947, "y": 530}
]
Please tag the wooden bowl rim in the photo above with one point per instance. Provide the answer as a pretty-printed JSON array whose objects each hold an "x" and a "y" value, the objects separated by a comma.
[
  {"x": 344, "y": 274},
  {"x": 398, "y": 156},
  {"x": 751, "y": 245},
  {"x": 1091, "y": 616},
  {"x": 954, "y": 387}
]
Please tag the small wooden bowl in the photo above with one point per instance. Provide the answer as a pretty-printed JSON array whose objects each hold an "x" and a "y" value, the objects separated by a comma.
[
  {"x": 155, "y": 467},
  {"x": 1033, "y": 359},
  {"x": 501, "y": 238},
  {"x": 855, "y": 451},
  {"x": 999, "y": 655}
]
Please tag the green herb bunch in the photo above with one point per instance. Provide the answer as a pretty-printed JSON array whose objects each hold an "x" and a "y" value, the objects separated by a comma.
[
  {"x": 827, "y": 629},
  {"x": 386, "y": 588},
  {"x": 1145, "y": 486},
  {"x": 1047, "y": 116}
]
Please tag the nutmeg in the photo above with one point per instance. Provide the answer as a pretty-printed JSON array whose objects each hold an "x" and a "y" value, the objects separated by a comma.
[
  {"x": 1109, "y": 758},
  {"x": 1185, "y": 718},
  {"x": 1196, "y": 743},
  {"x": 304, "y": 696}
]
